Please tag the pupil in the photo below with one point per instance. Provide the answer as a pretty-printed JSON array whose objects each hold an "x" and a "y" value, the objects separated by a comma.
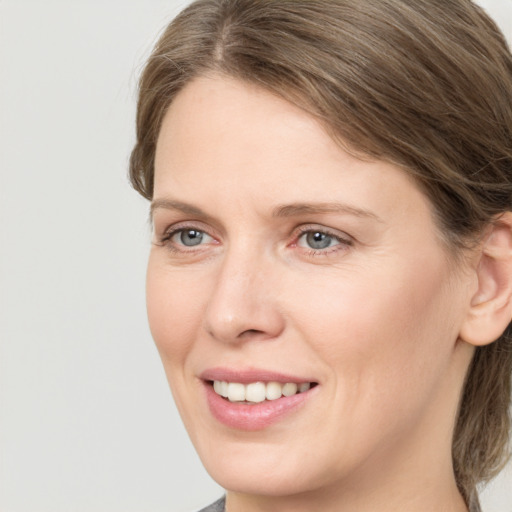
[
  {"x": 191, "y": 237},
  {"x": 318, "y": 240}
]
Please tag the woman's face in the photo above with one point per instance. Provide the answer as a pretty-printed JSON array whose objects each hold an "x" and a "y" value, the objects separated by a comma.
[{"x": 278, "y": 259}]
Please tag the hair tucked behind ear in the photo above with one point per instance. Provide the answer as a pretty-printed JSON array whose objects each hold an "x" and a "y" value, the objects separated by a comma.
[
  {"x": 482, "y": 433},
  {"x": 423, "y": 84}
]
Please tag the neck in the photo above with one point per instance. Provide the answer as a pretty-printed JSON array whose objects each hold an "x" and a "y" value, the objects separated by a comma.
[{"x": 430, "y": 494}]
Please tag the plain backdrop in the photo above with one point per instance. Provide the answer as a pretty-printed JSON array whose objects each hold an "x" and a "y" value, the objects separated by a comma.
[{"x": 87, "y": 423}]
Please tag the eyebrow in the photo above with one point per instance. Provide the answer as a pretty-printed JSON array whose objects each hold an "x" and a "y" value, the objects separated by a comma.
[
  {"x": 281, "y": 211},
  {"x": 296, "y": 209},
  {"x": 169, "y": 204}
]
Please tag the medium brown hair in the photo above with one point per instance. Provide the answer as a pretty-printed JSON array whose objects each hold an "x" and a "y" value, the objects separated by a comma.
[{"x": 423, "y": 84}]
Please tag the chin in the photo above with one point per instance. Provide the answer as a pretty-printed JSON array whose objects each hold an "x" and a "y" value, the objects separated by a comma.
[
  {"x": 258, "y": 480},
  {"x": 254, "y": 469}
]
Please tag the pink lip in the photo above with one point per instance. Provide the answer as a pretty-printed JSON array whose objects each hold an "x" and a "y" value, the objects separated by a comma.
[
  {"x": 242, "y": 416},
  {"x": 250, "y": 375}
]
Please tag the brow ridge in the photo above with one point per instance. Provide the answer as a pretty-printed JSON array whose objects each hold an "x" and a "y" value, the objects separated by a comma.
[
  {"x": 296, "y": 209},
  {"x": 280, "y": 211},
  {"x": 171, "y": 204}
]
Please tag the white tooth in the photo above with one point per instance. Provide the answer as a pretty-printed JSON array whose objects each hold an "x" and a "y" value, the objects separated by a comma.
[
  {"x": 274, "y": 391},
  {"x": 255, "y": 392},
  {"x": 236, "y": 392},
  {"x": 304, "y": 387},
  {"x": 289, "y": 389}
]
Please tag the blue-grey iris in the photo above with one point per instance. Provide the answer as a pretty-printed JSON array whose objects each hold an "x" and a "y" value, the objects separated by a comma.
[
  {"x": 318, "y": 240},
  {"x": 191, "y": 237}
]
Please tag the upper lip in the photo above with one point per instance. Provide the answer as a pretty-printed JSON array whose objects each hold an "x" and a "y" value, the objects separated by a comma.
[{"x": 246, "y": 376}]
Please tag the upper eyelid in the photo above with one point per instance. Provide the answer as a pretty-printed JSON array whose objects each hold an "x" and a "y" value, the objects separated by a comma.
[
  {"x": 341, "y": 235},
  {"x": 188, "y": 224}
]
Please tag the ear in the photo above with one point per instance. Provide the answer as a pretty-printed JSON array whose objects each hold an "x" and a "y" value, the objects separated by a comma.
[{"x": 490, "y": 310}]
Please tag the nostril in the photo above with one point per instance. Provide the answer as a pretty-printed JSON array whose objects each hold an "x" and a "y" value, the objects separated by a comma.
[
  {"x": 250, "y": 332},
  {"x": 251, "y": 335}
]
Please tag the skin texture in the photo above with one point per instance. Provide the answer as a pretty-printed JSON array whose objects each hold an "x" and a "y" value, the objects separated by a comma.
[{"x": 374, "y": 319}]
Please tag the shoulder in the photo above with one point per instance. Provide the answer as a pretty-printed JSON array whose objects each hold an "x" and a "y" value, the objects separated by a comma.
[{"x": 218, "y": 506}]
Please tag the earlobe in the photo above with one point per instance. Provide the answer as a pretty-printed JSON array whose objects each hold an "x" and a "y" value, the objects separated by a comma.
[{"x": 490, "y": 310}]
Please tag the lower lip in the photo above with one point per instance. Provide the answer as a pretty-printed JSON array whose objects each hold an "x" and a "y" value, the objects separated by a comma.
[{"x": 259, "y": 416}]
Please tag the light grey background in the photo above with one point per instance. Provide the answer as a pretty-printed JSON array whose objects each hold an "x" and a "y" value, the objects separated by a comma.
[{"x": 87, "y": 423}]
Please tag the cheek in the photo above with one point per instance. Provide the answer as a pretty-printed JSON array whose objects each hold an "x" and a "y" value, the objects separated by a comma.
[
  {"x": 173, "y": 304},
  {"x": 387, "y": 332}
]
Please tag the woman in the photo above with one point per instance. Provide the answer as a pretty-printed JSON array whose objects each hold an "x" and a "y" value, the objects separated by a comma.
[{"x": 330, "y": 280}]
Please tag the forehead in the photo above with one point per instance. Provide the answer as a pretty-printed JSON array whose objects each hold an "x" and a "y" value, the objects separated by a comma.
[
  {"x": 224, "y": 143},
  {"x": 230, "y": 116}
]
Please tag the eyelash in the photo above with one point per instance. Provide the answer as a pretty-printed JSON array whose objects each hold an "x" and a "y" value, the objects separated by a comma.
[
  {"x": 166, "y": 238},
  {"x": 343, "y": 242}
]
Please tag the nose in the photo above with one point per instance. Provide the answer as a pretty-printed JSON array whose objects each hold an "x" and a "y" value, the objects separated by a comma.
[{"x": 244, "y": 301}]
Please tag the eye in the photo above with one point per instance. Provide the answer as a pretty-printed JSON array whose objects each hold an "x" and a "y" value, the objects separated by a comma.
[
  {"x": 318, "y": 240},
  {"x": 189, "y": 237},
  {"x": 322, "y": 241}
]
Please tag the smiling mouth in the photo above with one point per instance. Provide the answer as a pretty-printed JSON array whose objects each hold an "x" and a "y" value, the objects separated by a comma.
[{"x": 257, "y": 392}]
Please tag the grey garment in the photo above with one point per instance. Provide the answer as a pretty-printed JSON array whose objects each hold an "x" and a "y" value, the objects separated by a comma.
[{"x": 218, "y": 506}]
